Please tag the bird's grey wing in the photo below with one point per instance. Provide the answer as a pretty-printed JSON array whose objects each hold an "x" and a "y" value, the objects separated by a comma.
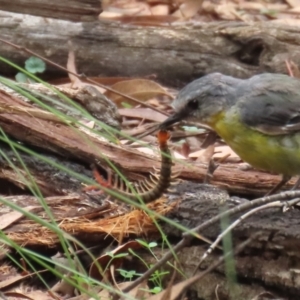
[{"x": 275, "y": 114}]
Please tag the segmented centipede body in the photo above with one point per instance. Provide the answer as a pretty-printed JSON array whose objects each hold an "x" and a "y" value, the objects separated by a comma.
[{"x": 146, "y": 190}]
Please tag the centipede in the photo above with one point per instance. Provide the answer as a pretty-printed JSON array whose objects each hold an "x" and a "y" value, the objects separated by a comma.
[{"x": 147, "y": 190}]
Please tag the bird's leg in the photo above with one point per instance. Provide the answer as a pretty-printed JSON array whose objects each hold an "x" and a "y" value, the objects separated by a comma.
[
  {"x": 212, "y": 167},
  {"x": 284, "y": 180}
]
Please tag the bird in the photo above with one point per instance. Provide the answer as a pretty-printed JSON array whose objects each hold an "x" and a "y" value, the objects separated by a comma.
[{"x": 258, "y": 117}]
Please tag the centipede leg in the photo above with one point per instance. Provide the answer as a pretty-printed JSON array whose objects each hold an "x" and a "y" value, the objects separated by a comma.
[{"x": 99, "y": 178}]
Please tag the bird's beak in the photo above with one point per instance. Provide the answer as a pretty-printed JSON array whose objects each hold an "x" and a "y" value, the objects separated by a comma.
[{"x": 178, "y": 116}]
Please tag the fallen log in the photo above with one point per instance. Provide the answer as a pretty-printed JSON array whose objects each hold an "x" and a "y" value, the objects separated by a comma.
[
  {"x": 174, "y": 55},
  {"x": 73, "y": 10}
]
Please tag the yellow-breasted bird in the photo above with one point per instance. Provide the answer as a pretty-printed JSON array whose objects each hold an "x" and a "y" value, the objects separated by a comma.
[{"x": 259, "y": 117}]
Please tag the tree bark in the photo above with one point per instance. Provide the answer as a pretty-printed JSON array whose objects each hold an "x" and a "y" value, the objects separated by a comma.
[
  {"x": 73, "y": 10},
  {"x": 267, "y": 265},
  {"x": 175, "y": 55}
]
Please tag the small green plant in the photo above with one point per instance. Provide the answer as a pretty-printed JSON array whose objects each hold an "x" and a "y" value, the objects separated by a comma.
[
  {"x": 155, "y": 290},
  {"x": 33, "y": 65},
  {"x": 128, "y": 274},
  {"x": 156, "y": 277},
  {"x": 126, "y": 105},
  {"x": 112, "y": 257}
]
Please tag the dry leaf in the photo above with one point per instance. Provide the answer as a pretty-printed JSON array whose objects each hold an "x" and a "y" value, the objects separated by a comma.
[
  {"x": 161, "y": 10},
  {"x": 289, "y": 22},
  {"x": 64, "y": 287},
  {"x": 127, "y": 8},
  {"x": 294, "y": 10},
  {"x": 226, "y": 11},
  {"x": 185, "y": 150},
  {"x": 146, "y": 20},
  {"x": 137, "y": 293},
  {"x": 106, "y": 259},
  {"x": 253, "y": 5},
  {"x": 109, "y": 81},
  {"x": 32, "y": 295},
  {"x": 188, "y": 9},
  {"x": 11, "y": 217},
  {"x": 293, "y": 3},
  {"x": 142, "y": 113},
  {"x": 222, "y": 151},
  {"x": 294, "y": 69},
  {"x": 103, "y": 295},
  {"x": 176, "y": 290},
  {"x": 5, "y": 283},
  {"x": 101, "y": 80},
  {"x": 141, "y": 89},
  {"x": 204, "y": 155},
  {"x": 194, "y": 143}
]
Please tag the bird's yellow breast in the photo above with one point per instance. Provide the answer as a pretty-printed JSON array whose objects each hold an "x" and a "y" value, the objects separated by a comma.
[{"x": 279, "y": 154}]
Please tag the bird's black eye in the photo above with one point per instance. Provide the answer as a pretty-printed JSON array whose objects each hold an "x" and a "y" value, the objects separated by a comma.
[{"x": 193, "y": 104}]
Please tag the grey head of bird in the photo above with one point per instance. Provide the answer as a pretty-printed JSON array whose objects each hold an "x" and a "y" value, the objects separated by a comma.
[{"x": 203, "y": 98}]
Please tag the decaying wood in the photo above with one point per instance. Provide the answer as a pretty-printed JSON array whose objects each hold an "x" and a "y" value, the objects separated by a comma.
[
  {"x": 237, "y": 181},
  {"x": 74, "y": 10},
  {"x": 267, "y": 265},
  {"x": 70, "y": 209},
  {"x": 50, "y": 179},
  {"x": 60, "y": 138},
  {"x": 87, "y": 96},
  {"x": 174, "y": 54},
  {"x": 79, "y": 215}
]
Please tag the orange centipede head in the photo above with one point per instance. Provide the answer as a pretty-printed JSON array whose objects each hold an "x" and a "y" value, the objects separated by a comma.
[{"x": 163, "y": 136}]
